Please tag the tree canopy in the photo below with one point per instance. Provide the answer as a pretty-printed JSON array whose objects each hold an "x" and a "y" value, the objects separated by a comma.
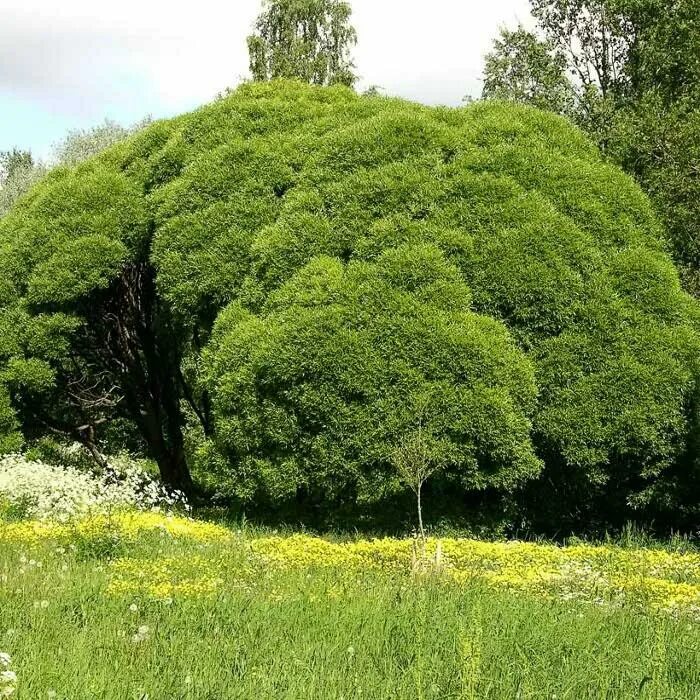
[
  {"x": 632, "y": 69},
  {"x": 309, "y": 40},
  {"x": 525, "y": 69},
  {"x": 268, "y": 287}
]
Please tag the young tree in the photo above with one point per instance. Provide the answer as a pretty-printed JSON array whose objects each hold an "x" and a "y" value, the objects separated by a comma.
[
  {"x": 415, "y": 461},
  {"x": 522, "y": 68},
  {"x": 306, "y": 39}
]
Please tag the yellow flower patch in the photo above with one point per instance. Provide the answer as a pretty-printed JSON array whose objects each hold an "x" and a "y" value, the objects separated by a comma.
[
  {"x": 128, "y": 525},
  {"x": 650, "y": 579},
  {"x": 190, "y": 576},
  {"x": 647, "y": 579},
  {"x": 32, "y": 532}
]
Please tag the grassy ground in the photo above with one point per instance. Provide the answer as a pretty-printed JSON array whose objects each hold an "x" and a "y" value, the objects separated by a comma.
[{"x": 145, "y": 607}]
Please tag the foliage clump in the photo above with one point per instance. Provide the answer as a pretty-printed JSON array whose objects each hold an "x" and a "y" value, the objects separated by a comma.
[
  {"x": 308, "y": 40},
  {"x": 265, "y": 289}
]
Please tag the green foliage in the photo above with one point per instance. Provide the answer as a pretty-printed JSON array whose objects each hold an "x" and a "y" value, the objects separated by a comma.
[
  {"x": 286, "y": 273},
  {"x": 305, "y": 39},
  {"x": 524, "y": 69},
  {"x": 19, "y": 170},
  {"x": 635, "y": 76},
  {"x": 75, "y": 269},
  {"x": 11, "y": 162},
  {"x": 594, "y": 34},
  {"x": 11, "y": 439},
  {"x": 661, "y": 145},
  {"x": 80, "y": 144},
  {"x": 662, "y": 56},
  {"x": 316, "y": 392},
  {"x": 632, "y": 67}
]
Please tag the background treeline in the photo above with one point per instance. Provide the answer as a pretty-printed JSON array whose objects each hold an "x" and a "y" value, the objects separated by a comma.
[
  {"x": 297, "y": 300},
  {"x": 628, "y": 73}
]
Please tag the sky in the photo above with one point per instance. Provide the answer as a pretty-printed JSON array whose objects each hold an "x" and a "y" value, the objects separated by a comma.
[{"x": 73, "y": 64}]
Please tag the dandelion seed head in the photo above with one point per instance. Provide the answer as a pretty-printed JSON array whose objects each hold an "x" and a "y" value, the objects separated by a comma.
[{"x": 142, "y": 634}]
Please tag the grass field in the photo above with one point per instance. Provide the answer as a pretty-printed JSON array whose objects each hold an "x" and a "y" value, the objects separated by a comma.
[{"x": 147, "y": 606}]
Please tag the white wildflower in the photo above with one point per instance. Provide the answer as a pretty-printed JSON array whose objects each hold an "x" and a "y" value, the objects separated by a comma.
[
  {"x": 5, "y": 659},
  {"x": 8, "y": 682},
  {"x": 49, "y": 492},
  {"x": 142, "y": 634}
]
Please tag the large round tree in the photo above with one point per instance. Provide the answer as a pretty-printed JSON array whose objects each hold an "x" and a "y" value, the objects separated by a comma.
[{"x": 307, "y": 275}]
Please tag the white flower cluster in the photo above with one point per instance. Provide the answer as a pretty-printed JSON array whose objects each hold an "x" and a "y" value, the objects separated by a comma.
[
  {"x": 8, "y": 678},
  {"x": 45, "y": 492},
  {"x": 143, "y": 634}
]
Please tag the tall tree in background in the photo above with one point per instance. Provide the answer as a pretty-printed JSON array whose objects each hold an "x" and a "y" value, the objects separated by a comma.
[
  {"x": 657, "y": 126},
  {"x": 633, "y": 67},
  {"x": 523, "y": 68},
  {"x": 594, "y": 35},
  {"x": 19, "y": 169},
  {"x": 306, "y": 39},
  {"x": 80, "y": 144},
  {"x": 18, "y": 172},
  {"x": 12, "y": 161}
]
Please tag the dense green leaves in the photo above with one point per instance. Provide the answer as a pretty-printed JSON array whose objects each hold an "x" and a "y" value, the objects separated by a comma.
[
  {"x": 318, "y": 390},
  {"x": 633, "y": 68},
  {"x": 305, "y": 39},
  {"x": 293, "y": 275}
]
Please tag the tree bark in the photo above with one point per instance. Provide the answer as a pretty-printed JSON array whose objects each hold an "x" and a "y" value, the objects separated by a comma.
[
  {"x": 420, "y": 517},
  {"x": 132, "y": 335}
]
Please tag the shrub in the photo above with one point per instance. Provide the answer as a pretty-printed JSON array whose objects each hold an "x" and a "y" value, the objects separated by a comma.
[
  {"x": 316, "y": 392},
  {"x": 297, "y": 265}
]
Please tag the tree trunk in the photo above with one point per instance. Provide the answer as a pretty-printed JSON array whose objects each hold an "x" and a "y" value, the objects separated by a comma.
[
  {"x": 174, "y": 470},
  {"x": 163, "y": 437},
  {"x": 420, "y": 517},
  {"x": 136, "y": 343}
]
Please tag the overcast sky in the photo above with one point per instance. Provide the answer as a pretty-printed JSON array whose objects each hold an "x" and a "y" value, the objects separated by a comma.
[{"x": 73, "y": 63}]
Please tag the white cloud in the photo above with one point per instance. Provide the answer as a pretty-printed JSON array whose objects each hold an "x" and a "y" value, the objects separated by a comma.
[{"x": 80, "y": 57}]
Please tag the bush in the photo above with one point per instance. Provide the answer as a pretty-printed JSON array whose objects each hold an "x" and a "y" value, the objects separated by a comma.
[
  {"x": 322, "y": 261},
  {"x": 316, "y": 392}
]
